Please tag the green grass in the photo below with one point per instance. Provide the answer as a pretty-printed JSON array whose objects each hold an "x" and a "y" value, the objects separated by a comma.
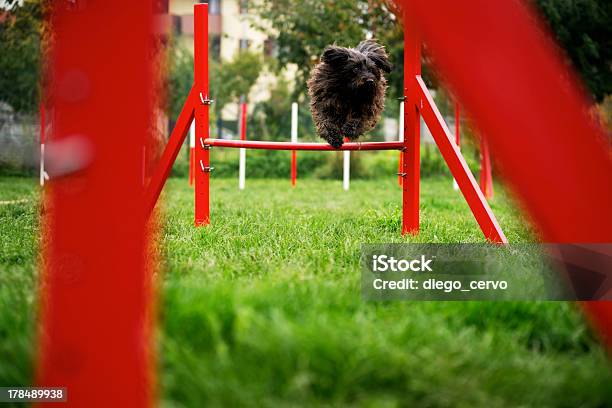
[
  {"x": 18, "y": 258},
  {"x": 263, "y": 307}
]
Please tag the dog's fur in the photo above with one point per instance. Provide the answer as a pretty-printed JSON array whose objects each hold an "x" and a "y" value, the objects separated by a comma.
[{"x": 347, "y": 91}]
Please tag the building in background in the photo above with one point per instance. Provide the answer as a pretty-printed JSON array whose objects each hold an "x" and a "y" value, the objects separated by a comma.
[{"x": 229, "y": 33}]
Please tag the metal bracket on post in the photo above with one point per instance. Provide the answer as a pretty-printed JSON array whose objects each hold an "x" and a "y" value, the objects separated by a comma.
[
  {"x": 205, "y": 100},
  {"x": 205, "y": 146},
  {"x": 206, "y": 169},
  {"x": 402, "y": 174}
]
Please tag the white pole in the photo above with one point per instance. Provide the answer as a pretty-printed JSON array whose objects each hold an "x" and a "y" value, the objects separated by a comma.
[
  {"x": 242, "y": 169},
  {"x": 242, "y": 163},
  {"x": 294, "y": 122},
  {"x": 347, "y": 170},
  {"x": 346, "y": 173},
  {"x": 43, "y": 130},
  {"x": 192, "y": 135},
  {"x": 400, "y": 129},
  {"x": 294, "y": 139},
  {"x": 42, "y": 164}
]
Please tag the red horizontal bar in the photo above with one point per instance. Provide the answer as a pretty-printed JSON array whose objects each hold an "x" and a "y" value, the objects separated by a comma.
[{"x": 252, "y": 144}]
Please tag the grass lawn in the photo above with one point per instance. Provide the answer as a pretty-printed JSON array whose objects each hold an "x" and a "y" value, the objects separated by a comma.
[{"x": 263, "y": 307}]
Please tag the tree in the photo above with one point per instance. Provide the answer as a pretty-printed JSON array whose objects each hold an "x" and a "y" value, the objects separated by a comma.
[
  {"x": 303, "y": 28},
  {"x": 583, "y": 28},
  {"x": 271, "y": 119},
  {"x": 231, "y": 80},
  {"x": 228, "y": 80},
  {"x": 21, "y": 30},
  {"x": 234, "y": 78},
  {"x": 180, "y": 79}
]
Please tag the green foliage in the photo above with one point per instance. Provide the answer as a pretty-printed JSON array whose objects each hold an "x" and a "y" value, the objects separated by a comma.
[
  {"x": 19, "y": 229},
  {"x": 584, "y": 30},
  {"x": 235, "y": 78},
  {"x": 20, "y": 46},
  {"x": 180, "y": 81},
  {"x": 271, "y": 119},
  {"x": 303, "y": 28},
  {"x": 229, "y": 80}
]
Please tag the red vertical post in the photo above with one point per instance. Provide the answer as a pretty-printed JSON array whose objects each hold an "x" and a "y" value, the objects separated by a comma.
[
  {"x": 242, "y": 151},
  {"x": 294, "y": 139},
  {"x": 95, "y": 334},
  {"x": 400, "y": 163},
  {"x": 486, "y": 176},
  {"x": 412, "y": 144},
  {"x": 293, "y": 167},
  {"x": 400, "y": 168},
  {"x": 243, "y": 120},
  {"x": 457, "y": 124},
  {"x": 202, "y": 152}
]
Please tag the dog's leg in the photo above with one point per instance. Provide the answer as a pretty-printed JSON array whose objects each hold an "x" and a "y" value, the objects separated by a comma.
[
  {"x": 327, "y": 126},
  {"x": 353, "y": 128},
  {"x": 350, "y": 128},
  {"x": 331, "y": 133}
]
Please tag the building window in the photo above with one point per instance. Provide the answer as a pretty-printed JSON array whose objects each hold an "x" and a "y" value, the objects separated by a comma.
[
  {"x": 244, "y": 44},
  {"x": 269, "y": 47},
  {"x": 214, "y": 6},
  {"x": 215, "y": 46},
  {"x": 243, "y": 6},
  {"x": 177, "y": 26}
]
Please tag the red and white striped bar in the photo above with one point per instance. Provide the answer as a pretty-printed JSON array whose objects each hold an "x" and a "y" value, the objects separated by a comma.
[{"x": 252, "y": 144}]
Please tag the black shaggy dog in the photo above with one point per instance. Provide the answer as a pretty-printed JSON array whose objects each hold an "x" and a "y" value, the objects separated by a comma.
[{"x": 347, "y": 91}]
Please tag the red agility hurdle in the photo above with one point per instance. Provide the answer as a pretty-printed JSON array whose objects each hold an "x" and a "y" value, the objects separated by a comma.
[
  {"x": 96, "y": 294},
  {"x": 417, "y": 101}
]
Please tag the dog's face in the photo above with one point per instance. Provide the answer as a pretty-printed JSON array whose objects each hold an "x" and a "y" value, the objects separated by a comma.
[{"x": 360, "y": 68}]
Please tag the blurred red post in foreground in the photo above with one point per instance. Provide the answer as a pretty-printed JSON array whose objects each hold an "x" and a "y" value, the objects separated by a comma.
[
  {"x": 518, "y": 89},
  {"x": 96, "y": 336},
  {"x": 486, "y": 172}
]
